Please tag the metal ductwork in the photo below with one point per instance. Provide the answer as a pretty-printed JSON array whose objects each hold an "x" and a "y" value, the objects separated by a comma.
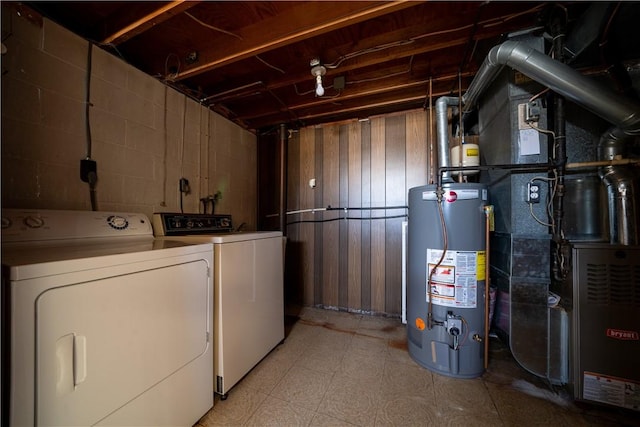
[
  {"x": 597, "y": 98},
  {"x": 442, "y": 122},
  {"x": 622, "y": 112},
  {"x": 620, "y": 181}
]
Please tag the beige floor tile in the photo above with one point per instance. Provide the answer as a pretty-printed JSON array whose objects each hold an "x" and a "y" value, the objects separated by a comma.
[
  {"x": 302, "y": 387},
  {"x": 462, "y": 395},
  {"x": 300, "y": 333},
  {"x": 277, "y": 413},
  {"x": 325, "y": 337},
  {"x": 324, "y": 359},
  {"x": 361, "y": 365},
  {"x": 353, "y": 401},
  {"x": 369, "y": 346},
  {"x": 521, "y": 409},
  {"x": 341, "y": 369},
  {"x": 406, "y": 411},
  {"x": 240, "y": 404},
  {"x": 321, "y": 420},
  {"x": 400, "y": 379},
  {"x": 383, "y": 327},
  {"x": 333, "y": 319},
  {"x": 264, "y": 376},
  {"x": 397, "y": 352},
  {"x": 316, "y": 315},
  {"x": 478, "y": 418}
]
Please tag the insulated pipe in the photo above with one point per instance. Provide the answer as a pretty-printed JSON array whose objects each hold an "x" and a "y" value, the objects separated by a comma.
[
  {"x": 599, "y": 99},
  {"x": 442, "y": 123}
]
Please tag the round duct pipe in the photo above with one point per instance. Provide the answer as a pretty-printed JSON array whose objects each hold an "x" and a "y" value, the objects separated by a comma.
[{"x": 621, "y": 182}]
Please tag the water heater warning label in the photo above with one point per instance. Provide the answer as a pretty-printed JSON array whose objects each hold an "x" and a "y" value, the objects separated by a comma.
[{"x": 454, "y": 282}]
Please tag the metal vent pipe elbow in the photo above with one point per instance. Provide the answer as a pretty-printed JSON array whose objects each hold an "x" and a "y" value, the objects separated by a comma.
[
  {"x": 564, "y": 80},
  {"x": 442, "y": 124}
]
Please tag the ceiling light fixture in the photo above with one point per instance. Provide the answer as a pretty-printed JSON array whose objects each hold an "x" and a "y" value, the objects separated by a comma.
[{"x": 318, "y": 70}]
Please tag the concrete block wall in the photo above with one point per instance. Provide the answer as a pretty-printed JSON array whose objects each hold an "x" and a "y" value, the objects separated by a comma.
[{"x": 145, "y": 135}]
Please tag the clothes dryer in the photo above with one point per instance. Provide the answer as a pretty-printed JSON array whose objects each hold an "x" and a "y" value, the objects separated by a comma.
[{"x": 103, "y": 324}]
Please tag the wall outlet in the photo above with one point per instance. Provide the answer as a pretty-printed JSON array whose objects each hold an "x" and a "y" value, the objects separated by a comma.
[
  {"x": 533, "y": 193},
  {"x": 184, "y": 186},
  {"x": 88, "y": 170}
]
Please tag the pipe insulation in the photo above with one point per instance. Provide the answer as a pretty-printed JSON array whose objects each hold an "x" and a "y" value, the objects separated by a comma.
[{"x": 564, "y": 80}]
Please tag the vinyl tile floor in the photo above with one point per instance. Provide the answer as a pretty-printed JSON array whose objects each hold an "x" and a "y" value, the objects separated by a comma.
[{"x": 342, "y": 369}]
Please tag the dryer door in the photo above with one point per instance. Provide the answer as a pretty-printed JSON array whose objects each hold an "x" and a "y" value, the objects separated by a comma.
[{"x": 102, "y": 344}]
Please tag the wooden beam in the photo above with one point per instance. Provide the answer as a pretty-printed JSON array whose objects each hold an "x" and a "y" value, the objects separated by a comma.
[
  {"x": 167, "y": 11},
  {"x": 356, "y": 94},
  {"x": 272, "y": 33}
]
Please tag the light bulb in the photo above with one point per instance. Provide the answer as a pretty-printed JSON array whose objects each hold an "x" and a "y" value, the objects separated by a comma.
[{"x": 319, "y": 88}]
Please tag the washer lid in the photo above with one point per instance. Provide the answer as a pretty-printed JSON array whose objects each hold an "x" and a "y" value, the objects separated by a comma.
[{"x": 244, "y": 235}]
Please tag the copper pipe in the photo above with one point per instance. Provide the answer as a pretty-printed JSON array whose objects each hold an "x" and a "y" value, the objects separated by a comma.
[{"x": 487, "y": 282}]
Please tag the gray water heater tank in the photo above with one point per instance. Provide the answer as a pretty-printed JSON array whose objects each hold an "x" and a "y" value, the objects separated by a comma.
[{"x": 447, "y": 335}]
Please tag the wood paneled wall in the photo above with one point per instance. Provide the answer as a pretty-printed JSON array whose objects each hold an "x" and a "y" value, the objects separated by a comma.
[{"x": 351, "y": 259}]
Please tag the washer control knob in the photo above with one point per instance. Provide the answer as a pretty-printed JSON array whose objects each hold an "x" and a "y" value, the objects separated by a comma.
[
  {"x": 118, "y": 222},
  {"x": 6, "y": 222},
  {"x": 33, "y": 222}
]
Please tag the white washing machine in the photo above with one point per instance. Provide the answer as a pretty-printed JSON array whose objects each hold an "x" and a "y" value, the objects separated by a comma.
[
  {"x": 103, "y": 324},
  {"x": 248, "y": 289}
]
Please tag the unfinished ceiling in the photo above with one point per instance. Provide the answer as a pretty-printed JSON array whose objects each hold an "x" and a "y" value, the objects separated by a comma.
[{"x": 250, "y": 61}]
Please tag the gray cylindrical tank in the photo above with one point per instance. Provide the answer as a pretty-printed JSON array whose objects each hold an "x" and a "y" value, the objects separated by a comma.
[
  {"x": 451, "y": 343},
  {"x": 585, "y": 208}
]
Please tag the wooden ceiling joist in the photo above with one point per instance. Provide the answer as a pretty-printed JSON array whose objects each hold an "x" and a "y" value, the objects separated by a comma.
[{"x": 141, "y": 25}]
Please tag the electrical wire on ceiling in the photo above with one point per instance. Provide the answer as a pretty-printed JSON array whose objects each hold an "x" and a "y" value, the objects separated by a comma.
[
  {"x": 499, "y": 21},
  {"x": 473, "y": 27},
  {"x": 211, "y": 27},
  {"x": 373, "y": 79},
  {"x": 472, "y": 34},
  {"x": 488, "y": 23},
  {"x": 366, "y": 51},
  {"x": 169, "y": 77},
  {"x": 269, "y": 65}
]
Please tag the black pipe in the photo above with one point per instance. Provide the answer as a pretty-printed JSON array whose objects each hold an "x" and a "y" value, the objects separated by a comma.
[
  {"x": 558, "y": 26},
  {"x": 283, "y": 179},
  {"x": 560, "y": 161},
  {"x": 329, "y": 208},
  {"x": 522, "y": 167}
]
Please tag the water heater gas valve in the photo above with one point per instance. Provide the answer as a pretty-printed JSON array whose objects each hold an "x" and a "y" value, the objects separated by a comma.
[{"x": 453, "y": 324}]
